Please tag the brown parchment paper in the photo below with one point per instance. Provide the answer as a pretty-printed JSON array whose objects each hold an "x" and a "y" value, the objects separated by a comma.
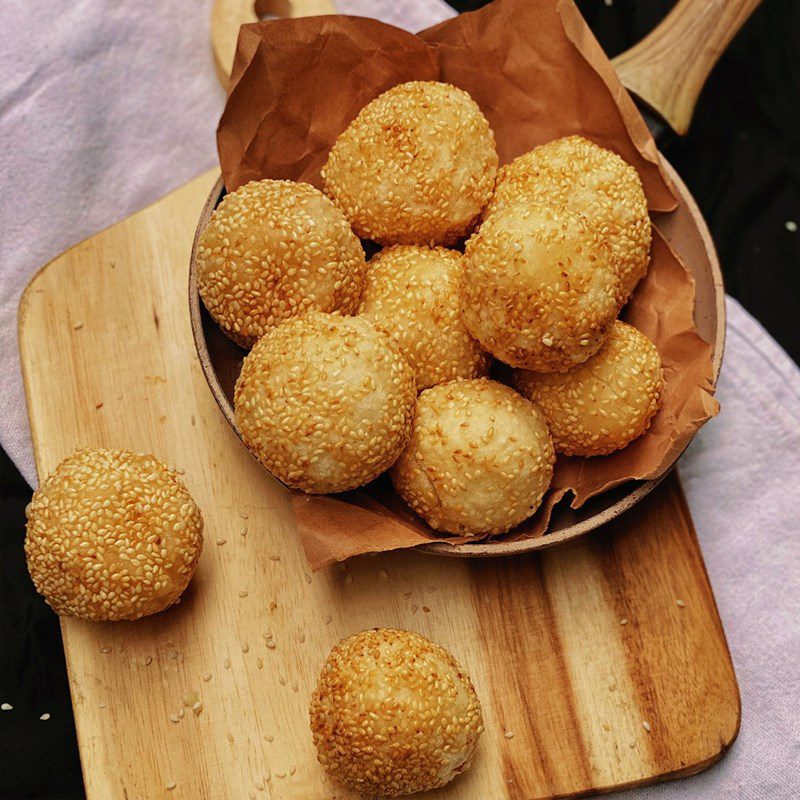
[{"x": 537, "y": 73}]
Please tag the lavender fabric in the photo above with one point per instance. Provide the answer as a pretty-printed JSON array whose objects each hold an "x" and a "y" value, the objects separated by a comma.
[{"x": 106, "y": 106}]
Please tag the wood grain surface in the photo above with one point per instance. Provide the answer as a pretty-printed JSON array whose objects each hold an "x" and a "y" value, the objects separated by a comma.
[
  {"x": 669, "y": 67},
  {"x": 109, "y": 360}
]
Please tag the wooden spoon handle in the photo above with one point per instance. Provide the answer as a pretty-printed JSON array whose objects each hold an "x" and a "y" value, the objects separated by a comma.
[
  {"x": 227, "y": 16},
  {"x": 669, "y": 67}
]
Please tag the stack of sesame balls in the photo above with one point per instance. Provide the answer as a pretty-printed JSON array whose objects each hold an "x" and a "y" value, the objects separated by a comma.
[{"x": 358, "y": 367}]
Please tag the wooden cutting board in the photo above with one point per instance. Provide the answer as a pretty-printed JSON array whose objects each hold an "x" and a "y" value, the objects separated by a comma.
[{"x": 567, "y": 684}]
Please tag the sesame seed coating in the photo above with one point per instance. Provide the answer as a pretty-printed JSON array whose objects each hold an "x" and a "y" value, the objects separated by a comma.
[
  {"x": 607, "y": 402},
  {"x": 540, "y": 289},
  {"x": 416, "y": 166},
  {"x": 414, "y": 294},
  {"x": 273, "y": 250},
  {"x": 325, "y": 402},
  {"x": 112, "y": 535},
  {"x": 393, "y": 713},
  {"x": 479, "y": 460},
  {"x": 592, "y": 181}
]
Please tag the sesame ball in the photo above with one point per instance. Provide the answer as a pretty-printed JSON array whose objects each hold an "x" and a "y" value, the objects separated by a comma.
[
  {"x": 325, "y": 402},
  {"x": 414, "y": 294},
  {"x": 591, "y": 181},
  {"x": 605, "y": 403},
  {"x": 112, "y": 535},
  {"x": 393, "y": 713},
  {"x": 273, "y": 250},
  {"x": 416, "y": 166},
  {"x": 479, "y": 459},
  {"x": 540, "y": 289}
]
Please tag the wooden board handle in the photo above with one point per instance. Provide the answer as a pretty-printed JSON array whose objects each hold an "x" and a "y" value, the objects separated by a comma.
[
  {"x": 669, "y": 67},
  {"x": 227, "y": 16}
]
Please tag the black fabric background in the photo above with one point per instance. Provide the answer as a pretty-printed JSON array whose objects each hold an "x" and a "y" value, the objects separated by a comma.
[{"x": 741, "y": 161}]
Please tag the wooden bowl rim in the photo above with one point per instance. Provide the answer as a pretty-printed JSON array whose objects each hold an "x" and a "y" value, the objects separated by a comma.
[{"x": 502, "y": 548}]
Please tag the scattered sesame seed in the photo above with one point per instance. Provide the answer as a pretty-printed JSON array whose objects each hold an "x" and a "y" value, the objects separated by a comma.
[
  {"x": 269, "y": 738},
  {"x": 623, "y": 621},
  {"x": 274, "y": 557},
  {"x": 609, "y": 2},
  {"x": 244, "y": 515},
  {"x": 271, "y": 645},
  {"x": 170, "y": 786},
  {"x": 414, "y": 608},
  {"x": 102, "y": 705},
  {"x": 259, "y": 663},
  {"x": 328, "y": 619},
  {"x": 242, "y": 593},
  {"x": 173, "y": 654},
  {"x": 245, "y": 647},
  {"x": 680, "y": 604},
  {"x": 77, "y": 326},
  {"x": 307, "y": 577},
  {"x": 273, "y": 605},
  {"x": 98, "y": 404},
  {"x": 384, "y": 575},
  {"x": 646, "y": 726},
  {"x": 791, "y": 226},
  {"x": 45, "y": 717},
  {"x": 148, "y": 660},
  {"x": 6, "y": 707},
  {"x": 426, "y": 609},
  {"x": 280, "y": 774},
  {"x": 221, "y": 541},
  {"x": 207, "y": 677},
  {"x": 105, "y": 649},
  {"x": 174, "y": 718},
  {"x": 292, "y": 770},
  {"x": 243, "y": 531},
  {"x": 509, "y": 735},
  {"x": 226, "y": 663}
]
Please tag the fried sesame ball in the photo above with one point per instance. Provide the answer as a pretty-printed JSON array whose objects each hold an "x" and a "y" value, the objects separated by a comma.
[
  {"x": 592, "y": 181},
  {"x": 393, "y": 713},
  {"x": 416, "y": 166},
  {"x": 606, "y": 402},
  {"x": 479, "y": 460},
  {"x": 414, "y": 294},
  {"x": 273, "y": 250},
  {"x": 540, "y": 288},
  {"x": 112, "y": 535},
  {"x": 325, "y": 402}
]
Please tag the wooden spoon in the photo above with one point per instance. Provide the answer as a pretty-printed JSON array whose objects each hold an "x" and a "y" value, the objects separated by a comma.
[{"x": 666, "y": 71}]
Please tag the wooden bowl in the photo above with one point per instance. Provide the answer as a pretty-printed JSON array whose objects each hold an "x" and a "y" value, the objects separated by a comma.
[{"x": 687, "y": 233}]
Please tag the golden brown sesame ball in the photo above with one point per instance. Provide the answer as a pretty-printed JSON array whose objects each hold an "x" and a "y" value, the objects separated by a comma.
[
  {"x": 414, "y": 294},
  {"x": 592, "y": 181},
  {"x": 112, "y": 535},
  {"x": 606, "y": 402},
  {"x": 325, "y": 402},
  {"x": 273, "y": 250},
  {"x": 479, "y": 460},
  {"x": 540, "y": 289},
  {"x": 416, "y": 166},
  {"x": 393, "y": 713}
]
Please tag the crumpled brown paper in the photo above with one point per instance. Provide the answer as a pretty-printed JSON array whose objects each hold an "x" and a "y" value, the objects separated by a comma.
[{"x": 537, "y": 73}]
